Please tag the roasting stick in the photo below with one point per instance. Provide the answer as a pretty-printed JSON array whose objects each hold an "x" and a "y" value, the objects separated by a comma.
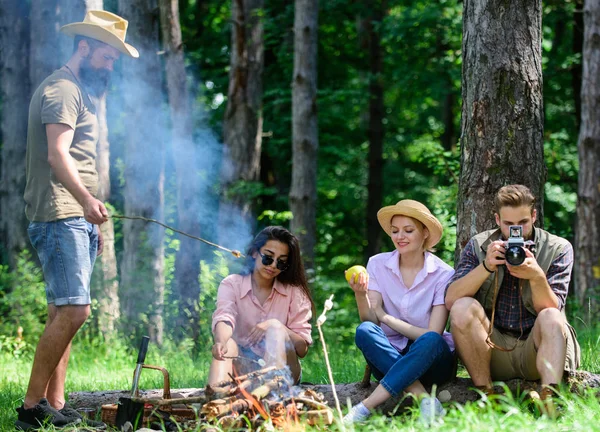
[
  {"x": 320, "y": 321},
  {"x": 233, "y": 252}
]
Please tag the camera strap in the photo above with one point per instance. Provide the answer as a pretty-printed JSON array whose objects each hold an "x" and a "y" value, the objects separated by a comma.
[{"x": 488, "y": 340}]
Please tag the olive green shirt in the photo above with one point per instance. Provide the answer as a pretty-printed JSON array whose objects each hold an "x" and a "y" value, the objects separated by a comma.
[{"x": 60, "y": 98}]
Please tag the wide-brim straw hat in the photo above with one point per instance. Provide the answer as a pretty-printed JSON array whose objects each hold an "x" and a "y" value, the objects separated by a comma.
[
  {"x": 415, "y": 210},
  {"x": 105, "y": 27}
]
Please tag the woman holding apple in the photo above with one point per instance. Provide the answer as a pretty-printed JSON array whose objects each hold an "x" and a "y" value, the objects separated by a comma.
[
  {"x": 400, "y": 299},
  {"x": 263, "y": 314}
]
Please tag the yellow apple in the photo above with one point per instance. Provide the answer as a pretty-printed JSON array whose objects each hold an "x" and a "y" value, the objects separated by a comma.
[{"x": 352, "y": 273}]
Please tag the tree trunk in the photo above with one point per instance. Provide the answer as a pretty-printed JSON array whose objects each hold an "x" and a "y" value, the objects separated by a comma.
[
  {"x": 187, "y": 260},
  {"x": 577, "y": 67},
  {"x": 15, "y": 91},
  {"x": 142, "y": 270},
  {"x": 375, "y": 131},
  {"x": 502, "y": 113},
  {"x": 43, "y": 56},
  {"x": 305, "y": 136},
  {"x": 106, "y": 281},
  {"x": 242, "y": 125},
  {"x": 587, "y": 243}
]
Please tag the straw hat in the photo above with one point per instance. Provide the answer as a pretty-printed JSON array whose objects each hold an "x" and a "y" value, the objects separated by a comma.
[
  {"x": 415, "y": 210},
  {"x": 105, "y": 27}
]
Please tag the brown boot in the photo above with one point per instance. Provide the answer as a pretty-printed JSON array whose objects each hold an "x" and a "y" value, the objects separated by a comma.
[{"x": 548, "y": 395}]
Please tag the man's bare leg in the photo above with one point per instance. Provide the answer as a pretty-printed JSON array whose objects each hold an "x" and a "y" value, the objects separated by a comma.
[
  {"x": 469, "y": 326},
  {"x": 551, "y": 343},
  {"x": 52, "y": 353}
]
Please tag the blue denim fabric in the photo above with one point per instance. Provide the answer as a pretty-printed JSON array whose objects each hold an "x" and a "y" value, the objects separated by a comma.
[
  {"x": 427, "y": 359},
  {"x": 67, "y": 250}
]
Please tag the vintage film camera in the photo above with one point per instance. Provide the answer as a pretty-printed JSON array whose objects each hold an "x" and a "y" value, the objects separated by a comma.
[{"x": 515, "y": 252}]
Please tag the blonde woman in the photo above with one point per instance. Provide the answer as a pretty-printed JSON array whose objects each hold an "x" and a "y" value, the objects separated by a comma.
[{"x": 401, "y": 305}]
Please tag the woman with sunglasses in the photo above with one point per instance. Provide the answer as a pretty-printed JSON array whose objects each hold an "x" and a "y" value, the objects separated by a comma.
[
  {"x": 263, "y": 314},
  {"x": 401, "y": 305}
]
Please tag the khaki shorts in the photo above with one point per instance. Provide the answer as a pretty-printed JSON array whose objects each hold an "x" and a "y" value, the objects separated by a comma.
[
  {"x": 521, "y": 362},
  {"x": 518, "y": 363}
]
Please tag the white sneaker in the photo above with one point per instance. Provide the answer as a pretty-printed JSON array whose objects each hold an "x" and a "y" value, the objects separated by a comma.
[
  {"x": 431, "y": 409},
  {"x": 357, "y": 413}
]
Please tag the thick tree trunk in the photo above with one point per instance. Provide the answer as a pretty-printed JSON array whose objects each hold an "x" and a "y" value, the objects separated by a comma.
[
  {"x": 142, "y": 270},
  {"x": 587, "y": 243},
  {"x": 375, "y": 132},
  {"x": 305, "y": 134},
  {"x": 45, "y": 40},
  {"x": 502, "y": 114},
  {"x": 106, "y": 281},
  {"x": 187, "y": 260},
  {"x": 242, "y": 125},
  {"x": 15, "y": 91},
  {"x": 577, "y": 50}
]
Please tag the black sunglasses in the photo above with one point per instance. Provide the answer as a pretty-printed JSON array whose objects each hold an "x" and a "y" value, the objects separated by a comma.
[{"x": 267, "y": 260}]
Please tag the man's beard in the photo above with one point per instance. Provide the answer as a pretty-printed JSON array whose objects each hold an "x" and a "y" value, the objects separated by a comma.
[{"x": 95, "y": 80}]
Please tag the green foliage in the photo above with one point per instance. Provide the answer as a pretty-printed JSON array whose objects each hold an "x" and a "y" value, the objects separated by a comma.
[{"x": 22, "y": 305}]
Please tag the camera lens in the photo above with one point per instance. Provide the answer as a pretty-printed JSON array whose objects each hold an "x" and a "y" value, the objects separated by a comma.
[{"x": 515, "y": 255}]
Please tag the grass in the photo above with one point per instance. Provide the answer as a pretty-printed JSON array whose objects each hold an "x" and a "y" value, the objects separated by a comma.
[{"x": 96, "y": 366}]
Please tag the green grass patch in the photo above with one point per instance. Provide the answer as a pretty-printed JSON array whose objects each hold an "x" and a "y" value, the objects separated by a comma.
[{"x": 97, "y": 366}]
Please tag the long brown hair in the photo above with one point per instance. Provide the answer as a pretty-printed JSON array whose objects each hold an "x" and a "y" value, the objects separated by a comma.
[{"x": 294, "y": 274}]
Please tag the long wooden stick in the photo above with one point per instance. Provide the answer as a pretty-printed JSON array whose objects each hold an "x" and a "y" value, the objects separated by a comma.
[{"x": 233, "y": 252}]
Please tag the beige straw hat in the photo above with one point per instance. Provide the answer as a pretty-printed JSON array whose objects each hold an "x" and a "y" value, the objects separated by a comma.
[
  {"x": 415, "y": 210},
  {"x": 105, "y": 27}
]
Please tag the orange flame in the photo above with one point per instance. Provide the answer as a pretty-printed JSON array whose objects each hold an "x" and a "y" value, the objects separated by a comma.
[{"x": 255, "y": 403}]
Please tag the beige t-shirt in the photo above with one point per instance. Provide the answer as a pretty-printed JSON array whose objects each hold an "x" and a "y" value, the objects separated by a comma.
[{"x": 59, "y": 99}]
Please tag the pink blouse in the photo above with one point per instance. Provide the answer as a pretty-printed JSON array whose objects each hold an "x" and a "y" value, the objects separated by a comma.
[
  {"x": 237, "y": 305},
  {"x": 412, "y": 304}
]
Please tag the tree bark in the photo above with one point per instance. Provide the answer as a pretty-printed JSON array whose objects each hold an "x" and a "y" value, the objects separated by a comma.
[
  {"x": 142, "y": 270},
  {"x": 242, "y": 124},
  {"x": 587, "y": 242},
  {"x": 187, "y": 260},
  {"x": 305, "y": 135},
  {"x": 45, "y": 40},
  {"x": 502, "y": 113},
  {"x": 576, "y": 69},
  {"x": 15, "y": 91},
  {"x": 375, "y": 132}
]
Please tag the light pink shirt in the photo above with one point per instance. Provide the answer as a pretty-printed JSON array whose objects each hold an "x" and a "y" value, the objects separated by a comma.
[
  {"x": 411, "y": 304},
  {"x": 237, "y": 305}
]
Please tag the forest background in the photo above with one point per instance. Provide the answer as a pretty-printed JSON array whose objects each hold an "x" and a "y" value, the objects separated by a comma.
[{"x": 201, "y": 134}]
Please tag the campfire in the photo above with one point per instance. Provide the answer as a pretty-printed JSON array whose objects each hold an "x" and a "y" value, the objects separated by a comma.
[{"x": 263, "y": 396}]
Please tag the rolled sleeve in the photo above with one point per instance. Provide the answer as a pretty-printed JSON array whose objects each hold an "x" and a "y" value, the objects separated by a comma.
[
  {"x": 226, "y": 310},
  {"x": 299, "y": 316},
  {"x": 373, "y": 284},
  {"x": 468, "y": 261},
  {"x": 559, "y": 274},
  {"x": 439, "y": 297}
]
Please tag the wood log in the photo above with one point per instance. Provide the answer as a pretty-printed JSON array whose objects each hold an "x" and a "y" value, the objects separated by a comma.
[
  {"x": 461, "y": 391},
  {"x": 316, "y": 417}
]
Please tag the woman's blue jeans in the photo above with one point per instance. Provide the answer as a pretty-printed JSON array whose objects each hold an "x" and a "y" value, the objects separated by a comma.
[{"x": 427, "y": 359}]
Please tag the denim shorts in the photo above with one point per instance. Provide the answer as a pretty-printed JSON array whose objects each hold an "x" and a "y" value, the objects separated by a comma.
[{"x": 67, "y": 250}]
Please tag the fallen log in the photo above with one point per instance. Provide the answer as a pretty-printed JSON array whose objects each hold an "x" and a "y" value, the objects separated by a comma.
[{"x": 461, "y": 391}]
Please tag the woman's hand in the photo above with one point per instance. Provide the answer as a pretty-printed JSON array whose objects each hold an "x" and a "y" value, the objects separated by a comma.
[
  {"x": 219, "y": 350},
  {"x": 360, "y": 283},
  {"x": 257, "y": 334}
]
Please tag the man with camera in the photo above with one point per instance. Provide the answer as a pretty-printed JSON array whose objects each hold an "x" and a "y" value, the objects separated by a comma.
[{"x": 507, "y": 299}]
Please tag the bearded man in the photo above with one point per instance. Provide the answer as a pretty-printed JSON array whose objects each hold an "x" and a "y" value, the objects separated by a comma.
[{"x": 61, "y": 206}]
